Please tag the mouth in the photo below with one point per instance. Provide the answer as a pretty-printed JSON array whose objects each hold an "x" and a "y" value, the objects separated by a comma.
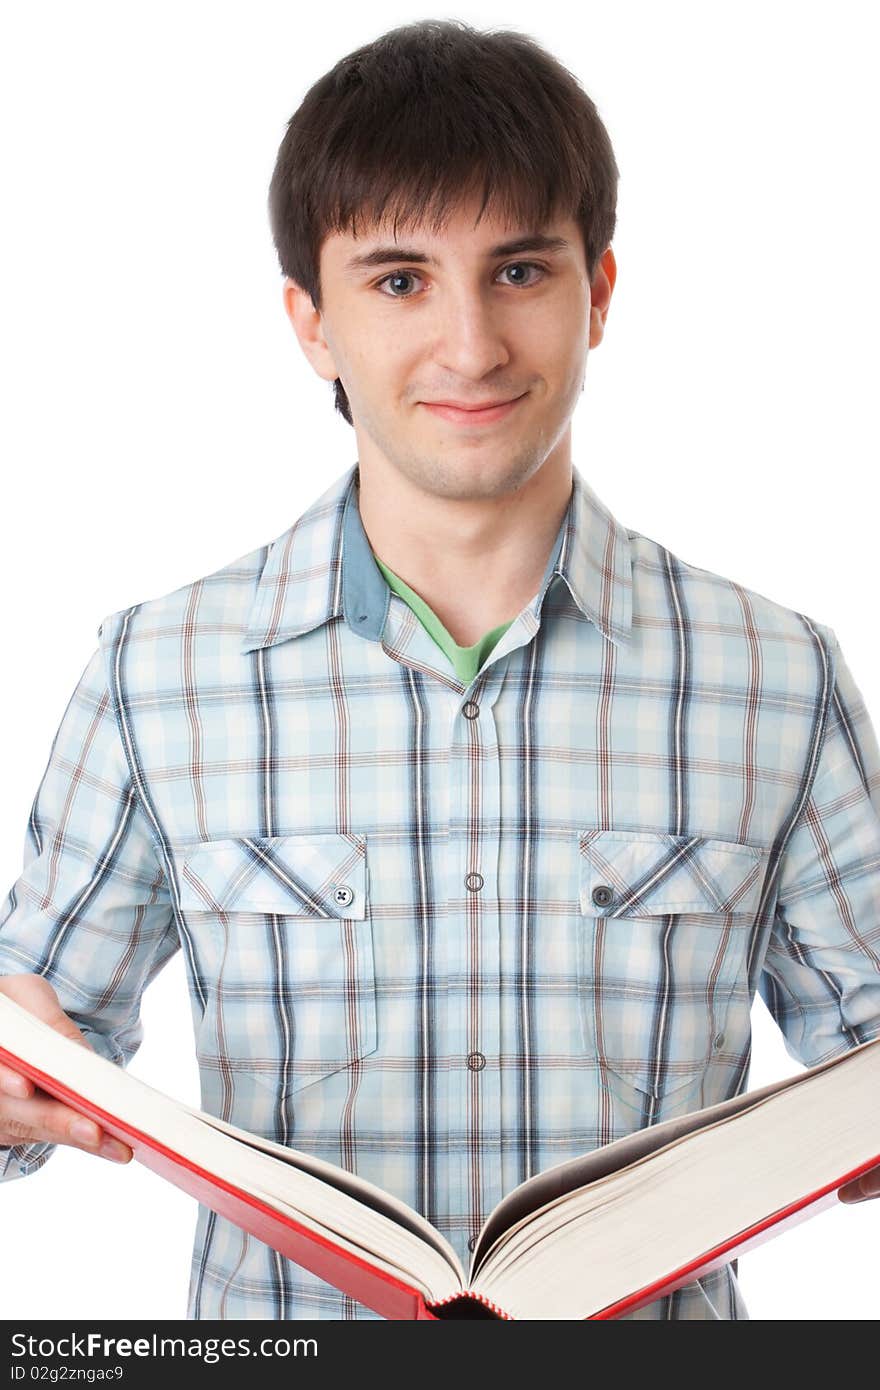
[{"x": 484, "y": 416}]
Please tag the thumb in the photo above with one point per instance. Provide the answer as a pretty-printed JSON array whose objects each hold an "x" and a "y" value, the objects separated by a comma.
[{"x": 34, "y": 993}]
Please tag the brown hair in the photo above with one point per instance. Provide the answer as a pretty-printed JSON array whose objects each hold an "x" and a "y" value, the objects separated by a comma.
[{"x": 407, "y": 126}]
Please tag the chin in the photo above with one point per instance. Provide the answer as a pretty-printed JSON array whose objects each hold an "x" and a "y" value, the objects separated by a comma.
[{"x": 472, "y": 479}]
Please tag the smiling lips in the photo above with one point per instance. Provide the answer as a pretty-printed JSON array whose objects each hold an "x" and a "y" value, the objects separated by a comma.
[{"x": 486, "y": 415}]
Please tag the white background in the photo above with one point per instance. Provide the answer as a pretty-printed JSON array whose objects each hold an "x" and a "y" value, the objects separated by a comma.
[{"x": 160, "y": 419}]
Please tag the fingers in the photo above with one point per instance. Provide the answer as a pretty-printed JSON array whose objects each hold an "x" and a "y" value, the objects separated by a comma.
[
  {"x": 861, "y": 1189},
  {"x": 12, "y": 1083},
  {"x": 41, "y": 1119},
  {"x": 27, "y": 1114}
]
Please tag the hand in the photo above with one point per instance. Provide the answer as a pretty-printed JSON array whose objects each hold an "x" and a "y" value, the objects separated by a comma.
[
  {"x": 27, "y": 1113},
  {"x": 860, "y": 1189}
]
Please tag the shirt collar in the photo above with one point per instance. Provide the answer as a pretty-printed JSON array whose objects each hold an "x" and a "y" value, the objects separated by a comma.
[{"x": 322, "y": 567}]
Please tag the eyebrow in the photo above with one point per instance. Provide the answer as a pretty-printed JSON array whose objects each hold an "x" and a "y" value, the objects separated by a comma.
[{"x": 388, "y": 255}]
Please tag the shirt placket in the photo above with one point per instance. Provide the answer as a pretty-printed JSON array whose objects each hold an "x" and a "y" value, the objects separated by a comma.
[
  {"x": 468, "y": 980},
  {"x": 474, "y": 994}
]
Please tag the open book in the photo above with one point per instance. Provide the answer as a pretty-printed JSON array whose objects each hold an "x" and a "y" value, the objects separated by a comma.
[{"x": 593, "y": 1237}]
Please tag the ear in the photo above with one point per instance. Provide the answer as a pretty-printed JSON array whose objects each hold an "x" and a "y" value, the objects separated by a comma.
[
  {"x": 308, "y": 327},
  {"x": 601, "y": 288}
]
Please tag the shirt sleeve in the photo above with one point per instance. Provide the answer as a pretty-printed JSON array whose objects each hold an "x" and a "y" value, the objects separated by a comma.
[
  {"x": 821, "y": 975},
  {"x": 91, "y": 910}
]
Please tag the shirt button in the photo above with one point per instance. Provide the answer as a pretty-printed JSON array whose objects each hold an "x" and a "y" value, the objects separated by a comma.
[
  {"x": 474, "y": 882},
  {"x": 602, "y": 895},
  {"x": 476, "y": 1061},
  {"x": 342, "y": 895},
  {"x": 472, "y": 1240},
  {"x": 470, "y": 709},
  {"x": 719, "y": 1040}
]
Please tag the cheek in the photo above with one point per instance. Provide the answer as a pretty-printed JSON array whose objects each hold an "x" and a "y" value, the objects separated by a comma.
[
  {"x": 561, "y": 337},
  {"x": 362, "y": 367},
  {"x": 374, "y": 352},
  {"x": 565, "y": 364}
]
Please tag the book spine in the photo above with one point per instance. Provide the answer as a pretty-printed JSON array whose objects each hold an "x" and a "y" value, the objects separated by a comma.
[{"x": 468, "y": 1304}]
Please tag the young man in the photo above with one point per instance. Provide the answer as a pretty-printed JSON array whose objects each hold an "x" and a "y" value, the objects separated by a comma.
[{"x": 478, "y": 818}]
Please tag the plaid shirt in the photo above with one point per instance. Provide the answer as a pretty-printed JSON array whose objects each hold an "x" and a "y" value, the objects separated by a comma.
[{"x": 448, "y": 935}]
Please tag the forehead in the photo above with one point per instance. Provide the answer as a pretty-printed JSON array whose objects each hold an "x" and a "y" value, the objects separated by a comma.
[{"x": 420, "y": 239}]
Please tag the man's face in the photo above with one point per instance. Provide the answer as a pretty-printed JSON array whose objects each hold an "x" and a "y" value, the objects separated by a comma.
[{"x": 469, "y": 315}]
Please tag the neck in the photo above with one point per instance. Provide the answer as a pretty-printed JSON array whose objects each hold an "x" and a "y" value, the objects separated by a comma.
[{"x": 476, "y": 562}]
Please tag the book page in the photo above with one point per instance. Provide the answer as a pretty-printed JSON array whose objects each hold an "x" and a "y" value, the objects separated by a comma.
[
  {"x": 574, "y": 1173},
  {"x": 621, "y": 1234}
]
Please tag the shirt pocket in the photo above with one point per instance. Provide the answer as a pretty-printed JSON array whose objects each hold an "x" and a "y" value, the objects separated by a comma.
[
  {"x": 665, "y": 925},
  {"x": 285, "y": 931}
]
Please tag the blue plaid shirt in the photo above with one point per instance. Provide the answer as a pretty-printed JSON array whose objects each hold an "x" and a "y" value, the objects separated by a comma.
[{"x": 448, "y": 935}]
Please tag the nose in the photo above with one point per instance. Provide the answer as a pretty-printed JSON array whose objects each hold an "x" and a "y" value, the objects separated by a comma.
[{"x": 471, "y": 336}]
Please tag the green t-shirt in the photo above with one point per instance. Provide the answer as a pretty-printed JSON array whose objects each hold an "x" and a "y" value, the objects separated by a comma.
[{"x": 466, "y": 660}]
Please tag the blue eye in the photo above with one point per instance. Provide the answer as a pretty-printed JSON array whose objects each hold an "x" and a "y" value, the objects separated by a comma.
[
  {"x": 413, "y": 275},
  {"x": 518, "y": 265},
  {"x": 398, "y": 275}
]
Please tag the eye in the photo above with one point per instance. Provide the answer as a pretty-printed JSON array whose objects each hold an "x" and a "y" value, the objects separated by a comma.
[
  {"x": 398, "y": 275},
  {"x": 528, "y": 265}
]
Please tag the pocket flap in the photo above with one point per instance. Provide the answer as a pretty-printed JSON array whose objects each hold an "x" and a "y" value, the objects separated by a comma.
[
  {"x": 297, "y": 875},
  {"x": 633, "y": 873}
]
